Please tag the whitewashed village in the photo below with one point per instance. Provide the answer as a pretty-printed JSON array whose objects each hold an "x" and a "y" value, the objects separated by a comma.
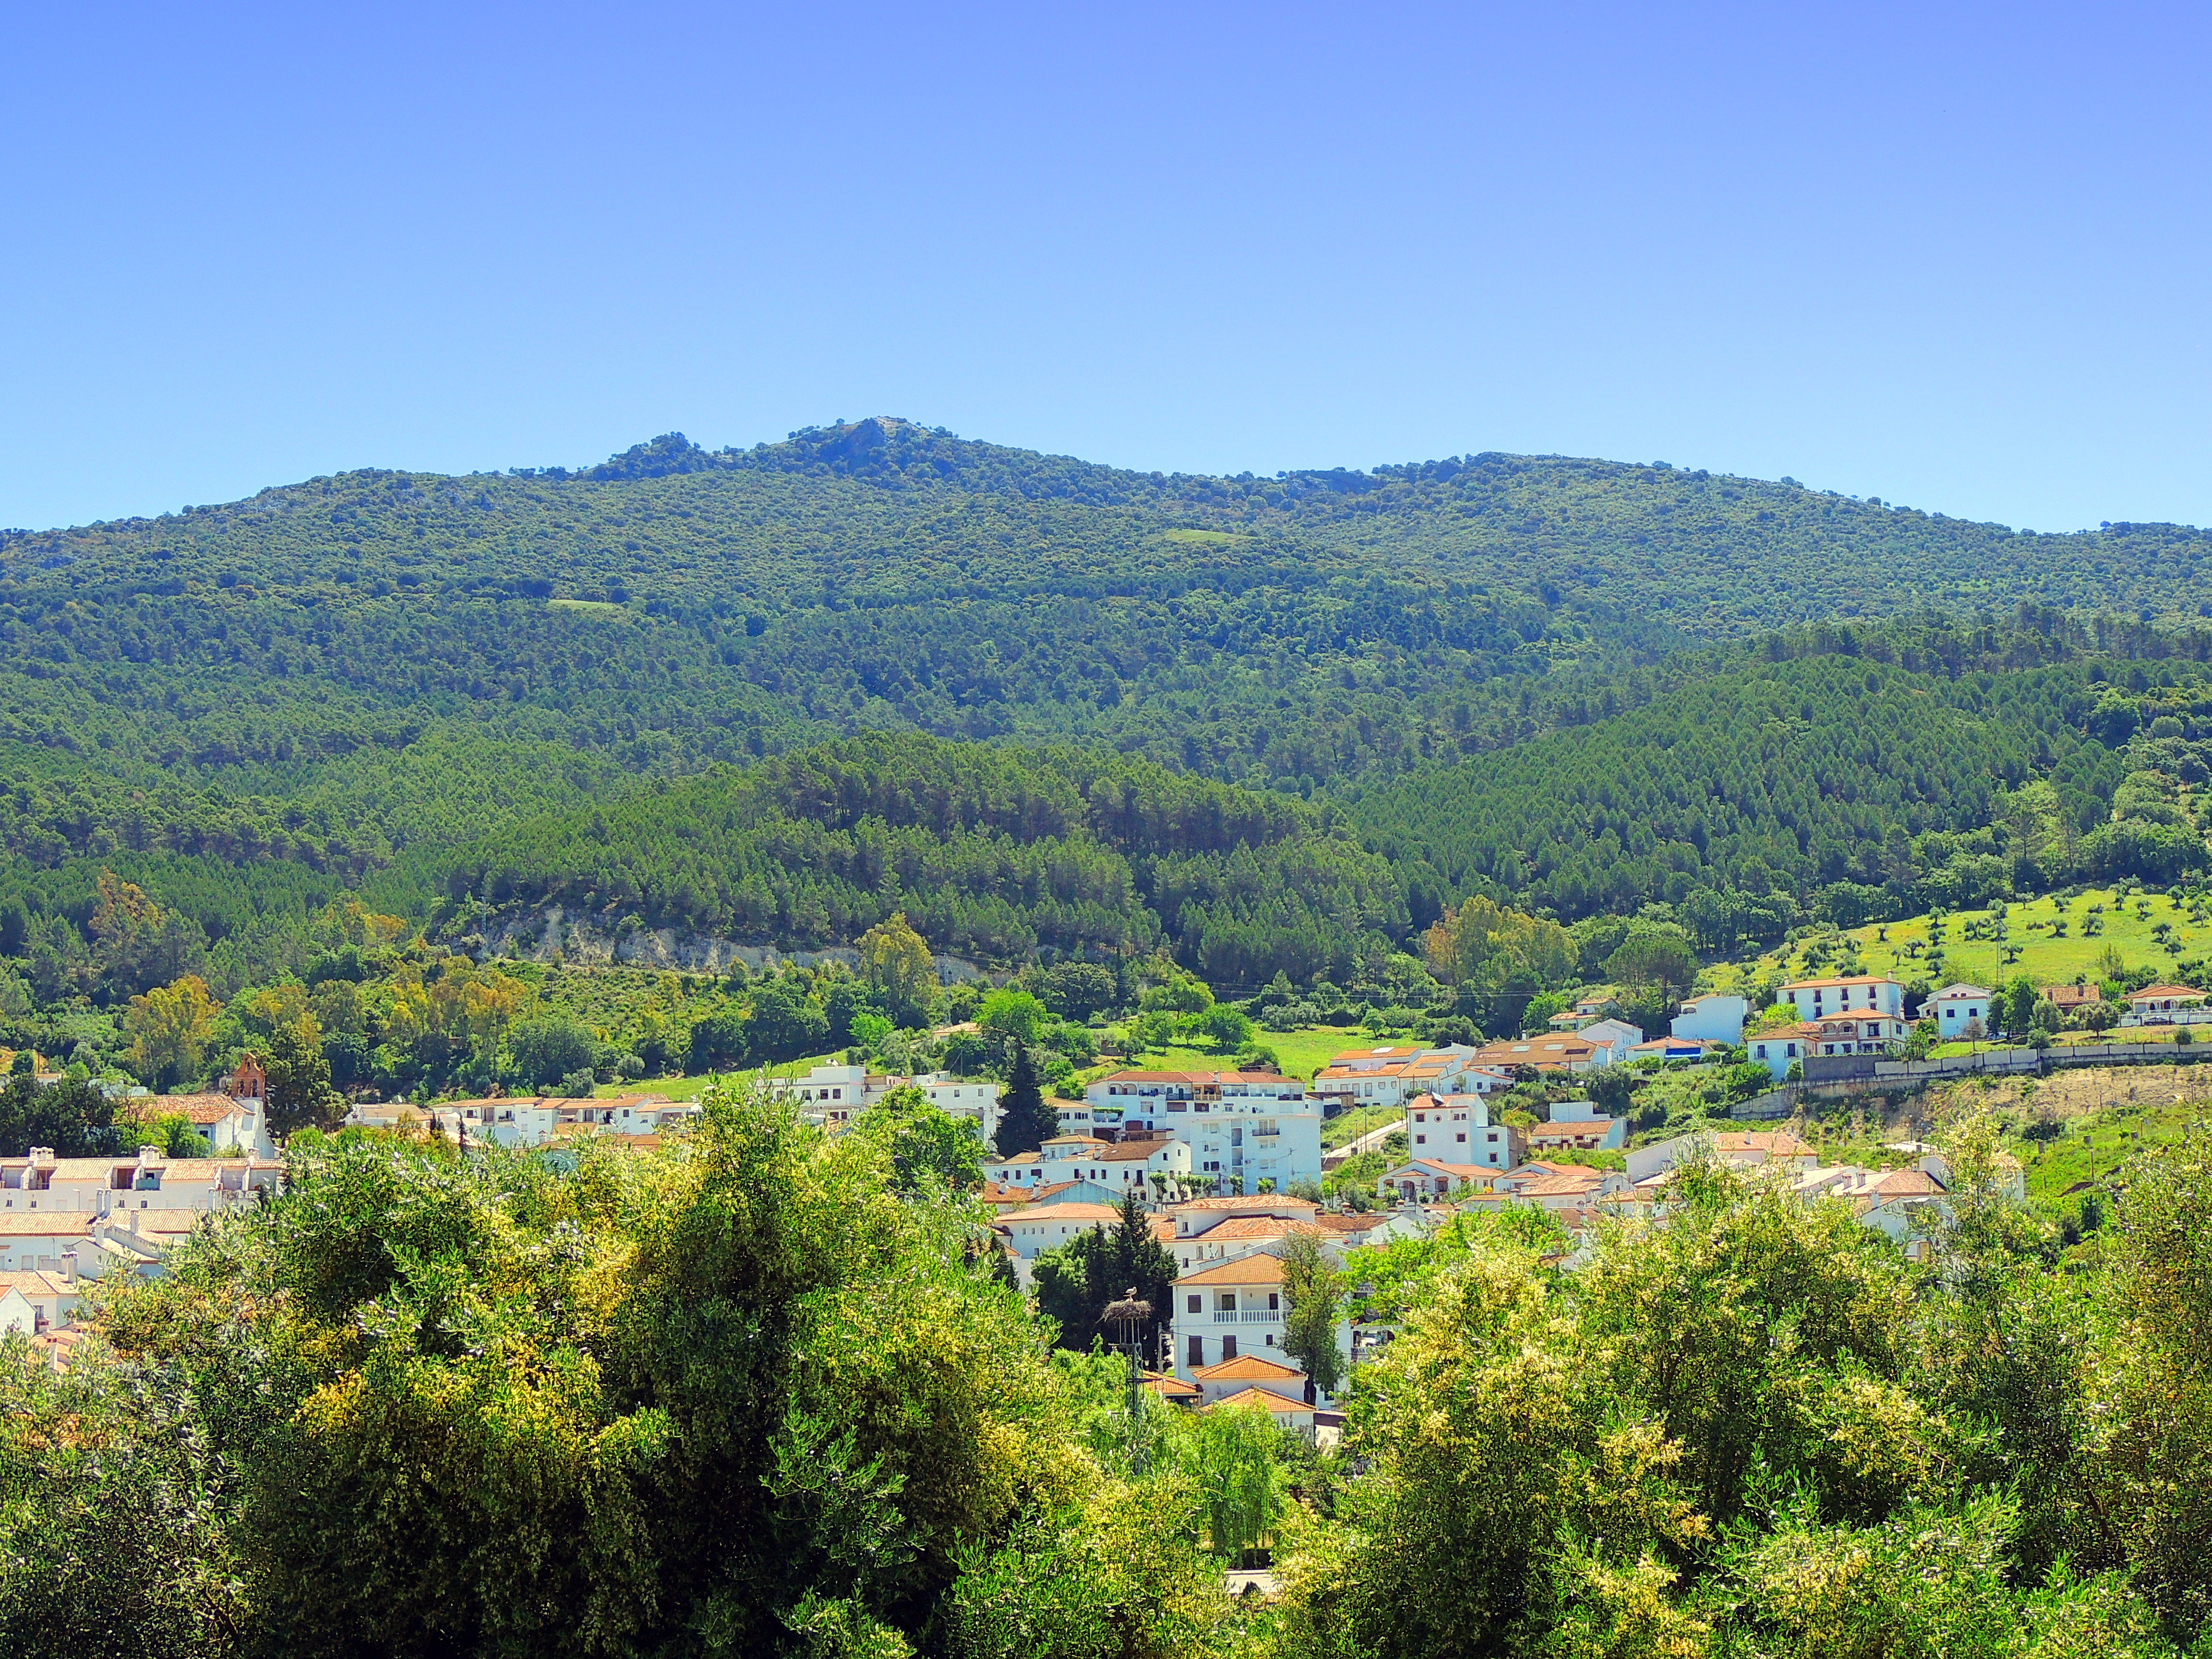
[{"x": 1226, "y": 1168}]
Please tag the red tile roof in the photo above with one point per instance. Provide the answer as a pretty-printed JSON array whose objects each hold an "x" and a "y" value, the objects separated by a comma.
[{"x": 1248, "y": 1368}]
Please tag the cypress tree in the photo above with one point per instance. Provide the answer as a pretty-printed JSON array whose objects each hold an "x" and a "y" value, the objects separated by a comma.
[{"x": 1026, "y": 1119}]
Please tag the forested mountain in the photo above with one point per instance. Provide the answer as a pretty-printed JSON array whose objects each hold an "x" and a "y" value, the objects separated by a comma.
[
  {"x": 1306, "y": 627},
  {"x": 248, "y": 709}
]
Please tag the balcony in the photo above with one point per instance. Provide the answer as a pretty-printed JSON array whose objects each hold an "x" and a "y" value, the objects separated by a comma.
[{"x": 1249, "y": 1316}]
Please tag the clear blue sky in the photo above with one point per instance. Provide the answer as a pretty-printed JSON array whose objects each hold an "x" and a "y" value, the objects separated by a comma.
[{"x": 1954, "y": 257}]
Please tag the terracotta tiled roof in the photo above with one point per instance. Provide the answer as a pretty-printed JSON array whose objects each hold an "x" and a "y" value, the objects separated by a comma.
[
  {"x": 1332, "y": 1221},
  {"x": 1905, "y": 1183},
  {"x": 1463, "y": 1172},
  {"x": 1171, "y": 1387},
  {"x": 1776, "y": 1143},
  {"x": 196, "y": 1109},
  {"x": 1258, "y": 1269},
  {"x": 1260, "y": 1201},
  {"x": 1062, "y": 1212},
  {"x": 1250, "y": 1226},
  {"x": 1248, "y": 1368},
  {"x": 37, "y": 1284},
  {"x": 1248, "y": 1398},
  {"x": 1600, "y": 1127},
  {"x": 1560, "y": 1185},
  {"x": 2164, "y": 993}
]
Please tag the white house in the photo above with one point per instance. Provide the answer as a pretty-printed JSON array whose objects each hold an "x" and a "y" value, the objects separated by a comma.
[
  {"x": 1037, "y": 1227},
  {"x": 1711, "y": 1019},
  {"x": 41, "y": 1243},
  {"x": 1867, "y": 1032},
  {"x": 53, "y": 1295},
  {"x": 1228, "y": 1308},
  {"x": 1957, "y": 1006},
  {"x": 1420, "y": 1180},
  {"x": 1457, "y": 1129},
  {"x": 2165, "y": 1004},
  {"x": 1814, "y": 998},
  {"x": 16, "y": 1313},
  {"x": 1613, "y": 1039},
  {"x": 1779, "y": 1050},
  {"x": 1136, "y": 1162},
  {"x": 1578, "y": 1123},
  {"x": 1251, "y": 1371},
  {"x": 824, "y": 1085}
]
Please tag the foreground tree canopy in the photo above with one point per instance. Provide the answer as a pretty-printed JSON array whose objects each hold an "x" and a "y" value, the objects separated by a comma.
[{"x": 774, "y": 1394}]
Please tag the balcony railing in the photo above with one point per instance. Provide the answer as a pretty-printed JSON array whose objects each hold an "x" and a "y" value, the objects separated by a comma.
[{"x": 1248, "y": 1316}]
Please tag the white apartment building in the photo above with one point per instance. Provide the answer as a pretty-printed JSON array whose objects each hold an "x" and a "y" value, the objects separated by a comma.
[
  {"x": 147, "y": 1181},
  {"x": 1814, "y": 999},
  {"x": 1242, "y": 1127}
]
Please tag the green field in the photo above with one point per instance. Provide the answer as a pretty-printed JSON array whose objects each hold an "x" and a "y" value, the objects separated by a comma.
[
  {"x": 2053, "y": 940},
  {"x": 1301, "y": 1053}
]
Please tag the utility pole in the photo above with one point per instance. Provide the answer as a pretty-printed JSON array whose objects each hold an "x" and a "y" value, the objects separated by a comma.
[{"x": 1128, "y": 1319}]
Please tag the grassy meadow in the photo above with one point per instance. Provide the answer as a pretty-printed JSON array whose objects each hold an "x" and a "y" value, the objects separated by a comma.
[{"x": 2054, "y": 940}]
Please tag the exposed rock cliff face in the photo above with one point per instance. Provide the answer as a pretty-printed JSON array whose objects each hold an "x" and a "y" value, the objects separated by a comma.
[{"x": 587, "y": 939}]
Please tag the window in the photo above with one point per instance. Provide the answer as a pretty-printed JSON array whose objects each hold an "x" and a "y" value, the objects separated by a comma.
[
  {"x": 1462, "y": 1139},
  {"x": 1274, "y": 1302},
  {"x": 1420, "y": 1140},
  {"x": 1225, "y": 1301},
  {"x": 1228, "y": 1349},
  {"x": 1195, "y": 1356},
  {"x": 1194, "y": 1303}
]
